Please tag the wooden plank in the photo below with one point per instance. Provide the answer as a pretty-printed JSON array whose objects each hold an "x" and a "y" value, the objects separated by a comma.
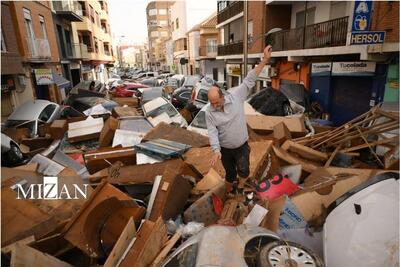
[
  {"x": 332, "y": 156},
  {"x": 177, "y": 134},
  {"x": 150, "y": 239},
  {"x": 170, "y": 203},
  {"x": 306, "y": 152},
  {"x": 122, "y": 244},
  {"x": 22, "y": 256},
  {"x": 374, "y": 143},
  {"x": 164, "y": 252},
  {"x": 306, "y": 165}
]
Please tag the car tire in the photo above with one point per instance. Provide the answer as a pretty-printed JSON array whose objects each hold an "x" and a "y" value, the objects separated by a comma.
[
  {"x": 275, "y": 254},
  {"x": 12, "y": 157}
]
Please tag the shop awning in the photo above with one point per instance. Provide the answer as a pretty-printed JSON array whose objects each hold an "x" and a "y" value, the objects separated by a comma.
[{"x": 61, "y": 81}]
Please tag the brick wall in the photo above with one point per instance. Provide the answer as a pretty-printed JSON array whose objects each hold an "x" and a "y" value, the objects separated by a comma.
[
  {"x": 35, "y": 9},
  {"x": 256, "y": 13},
  {"x": 385, "y": 17},
  {"x": 11, "y": 59}
]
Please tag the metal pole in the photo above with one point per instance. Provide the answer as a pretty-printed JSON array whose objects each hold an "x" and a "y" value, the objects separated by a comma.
[
  {"x": 305, "y": 25},
  {"x": 245, "y": 39}
]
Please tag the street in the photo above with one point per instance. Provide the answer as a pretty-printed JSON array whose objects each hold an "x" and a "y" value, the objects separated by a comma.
[{"x": 151, "y": 133}]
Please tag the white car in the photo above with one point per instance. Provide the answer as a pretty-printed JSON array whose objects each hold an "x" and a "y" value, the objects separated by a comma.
[
  {"x": 199, "y": 124},
  {"x": 160, "y": 105},
  {"x": 33, "y": 113}
]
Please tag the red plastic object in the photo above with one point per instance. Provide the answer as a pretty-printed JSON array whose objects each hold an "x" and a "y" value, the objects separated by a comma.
[
  {"x": 218, "y": 204},
  {"x": 277, "y": 186}
]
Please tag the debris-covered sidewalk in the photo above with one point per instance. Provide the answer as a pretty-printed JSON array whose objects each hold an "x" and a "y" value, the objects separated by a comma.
[{"x": 129, "y": 192}]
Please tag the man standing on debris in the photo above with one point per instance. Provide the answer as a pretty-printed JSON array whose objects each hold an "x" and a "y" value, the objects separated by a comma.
[{"x": 227, "y": 128}]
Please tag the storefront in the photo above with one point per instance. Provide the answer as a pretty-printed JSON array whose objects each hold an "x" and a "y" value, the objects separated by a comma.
[
  {"x": 233, "y": 72},
  {"x": 347, "y": 89}
]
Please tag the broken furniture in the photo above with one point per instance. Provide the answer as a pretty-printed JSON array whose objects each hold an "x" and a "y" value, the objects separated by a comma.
[{"x": 162, "y": 149}]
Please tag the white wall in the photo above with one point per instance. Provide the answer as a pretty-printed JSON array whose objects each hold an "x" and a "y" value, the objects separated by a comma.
[
  {"x": 194, "y": 43},
  {"x": 322, "y": 10},
  {"x": 178, "y": 11},
  {"x": 208, "y": 65}
]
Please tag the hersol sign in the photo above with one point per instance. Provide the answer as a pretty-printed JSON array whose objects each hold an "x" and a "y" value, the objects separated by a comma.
[{"x": 50, "y": 189}]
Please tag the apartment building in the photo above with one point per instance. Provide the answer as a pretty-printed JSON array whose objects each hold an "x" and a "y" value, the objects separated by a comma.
[
  {"x": 36, "y": 41},
  {"x": 71, "y": 54},
  {"x": 12, "y": 72},
  {"x": 230, "y": 23},
  {"x": 202, "y": 49},
  {"x": 94, "y": 33},
  {"x": 319, "y": 50},
  {"x": 158, "y": 28}
]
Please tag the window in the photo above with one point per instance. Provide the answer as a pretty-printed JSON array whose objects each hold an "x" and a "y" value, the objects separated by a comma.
[
  {"x": 200, "y": 120},
  {"x": 96, "y": 47},
  {"x": 43, "y": 27},
  {"x": 163, "y": 22},
  {"x": 29, "y": 29},
  {"x": 185, "y": 95},
  {"x": 162, "y": 12},
  {"x": 300, "y": 17},
  {"x": 91, "y": 14},
  {"x": 164, "y": 34},
  {"x": 3, "y": 42},
  {"x": 47, "y": 112},
  {"x": 172, "y": 26},
  {"x": 152, "y": 12},
  {"x": 202, "y": 95},
  {"x": 153, "y": 23},
  {"x": 211, "y": 45},
  {"x": 250, "y": 31},
  {"x": 97, "y": 18},
  {"x": 177, "y": 23}
]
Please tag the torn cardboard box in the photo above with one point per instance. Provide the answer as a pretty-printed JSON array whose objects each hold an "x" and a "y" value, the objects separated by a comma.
[
  {"x": 85, "y": 130},
  {"x": 265, "y": 124}
]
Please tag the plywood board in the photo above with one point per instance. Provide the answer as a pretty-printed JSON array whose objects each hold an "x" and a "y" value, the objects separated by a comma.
[
  {"x": 22, "y": 256},
  {"x": 177, "y": 134}
]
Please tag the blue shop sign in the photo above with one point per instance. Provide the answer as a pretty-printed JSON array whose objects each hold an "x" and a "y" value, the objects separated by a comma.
[
  {"x": 361, "y": 38},
  {"x": 362, "y": 16}
]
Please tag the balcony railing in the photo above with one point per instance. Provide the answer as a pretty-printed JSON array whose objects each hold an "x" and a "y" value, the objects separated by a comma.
[
  {"x": 208, "y": 51},
  {"x": 230, "y": 49},
  {"x": 325, "y": 34},
  {"x": 38, "y": 49},
  {"x": 77, "y": 51},
  {"x": 230, "y": 11},
  {"x": 68, "y": 9}
]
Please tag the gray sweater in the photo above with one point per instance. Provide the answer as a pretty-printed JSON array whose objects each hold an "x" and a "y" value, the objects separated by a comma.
[{"x": 228, "y": 129}]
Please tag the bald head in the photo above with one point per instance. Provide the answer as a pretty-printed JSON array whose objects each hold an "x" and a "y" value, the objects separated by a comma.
[{"x": 216, "y": 97}]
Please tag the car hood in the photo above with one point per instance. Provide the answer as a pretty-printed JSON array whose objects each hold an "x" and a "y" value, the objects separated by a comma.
[{"x": 29, "y": 110}]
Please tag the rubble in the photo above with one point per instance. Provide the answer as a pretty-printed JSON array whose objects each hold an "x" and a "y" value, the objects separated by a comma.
[{"x": 139, "y": 177}]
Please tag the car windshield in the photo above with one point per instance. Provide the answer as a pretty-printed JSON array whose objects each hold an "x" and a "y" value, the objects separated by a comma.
[
  {"x": 200, "y": 120},
  {"x": 191, "y": 81},
  {"x": 168, "y": 108}
]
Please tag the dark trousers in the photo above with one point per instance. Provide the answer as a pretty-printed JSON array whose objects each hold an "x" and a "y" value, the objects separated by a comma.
[{"x": 236, "y": 161}]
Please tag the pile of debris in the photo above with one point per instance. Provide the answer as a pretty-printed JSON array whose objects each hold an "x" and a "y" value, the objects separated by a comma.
[{"x": 128, "y": 194}]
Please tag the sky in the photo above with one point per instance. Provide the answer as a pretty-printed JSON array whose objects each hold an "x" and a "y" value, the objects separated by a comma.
[{"x": 128, "y": 18}]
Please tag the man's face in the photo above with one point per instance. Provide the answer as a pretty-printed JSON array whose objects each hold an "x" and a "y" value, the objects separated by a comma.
[{"x": 217, "y": 102}]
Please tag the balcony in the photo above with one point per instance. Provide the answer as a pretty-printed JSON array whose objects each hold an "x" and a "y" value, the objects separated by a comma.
[
  {"x": 38, "y": 50},
  {"x": 69, "y": 10},
  {"x": 325, "y": 34},
  {"x": 231, "y": 49},
  {"x": 208, "y": 51},
  {"x": 232, "y": 9},
  {"x": 77, "y": 51}
]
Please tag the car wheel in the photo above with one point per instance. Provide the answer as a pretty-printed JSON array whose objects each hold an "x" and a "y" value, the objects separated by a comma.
[{"x": 276, "y": 254}]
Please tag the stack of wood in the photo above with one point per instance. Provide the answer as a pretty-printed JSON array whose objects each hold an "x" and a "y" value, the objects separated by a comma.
[{"x": 355, "y": 135}]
